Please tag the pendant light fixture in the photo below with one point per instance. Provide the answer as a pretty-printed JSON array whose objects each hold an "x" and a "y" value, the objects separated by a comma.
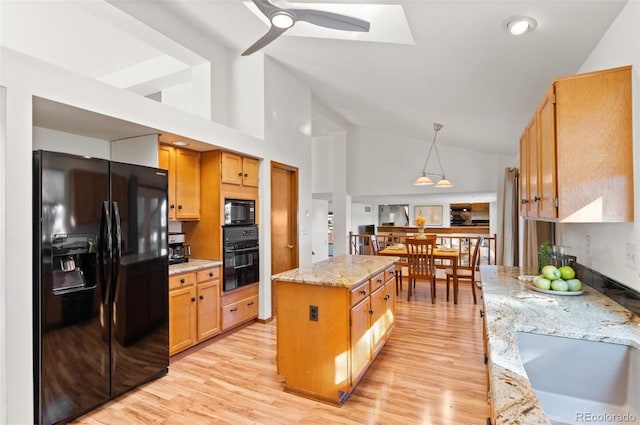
[{"x": 424, "y": 179}]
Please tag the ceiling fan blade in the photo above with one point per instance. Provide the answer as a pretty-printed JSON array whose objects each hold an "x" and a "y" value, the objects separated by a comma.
[
  {"x": 265, "y": 7},
  {"x": 331, "y": 20},
  {"x": 271, "y": 35}
]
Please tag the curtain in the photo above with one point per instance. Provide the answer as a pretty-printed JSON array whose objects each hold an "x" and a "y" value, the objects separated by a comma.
[{"x": 509, "y": 242}]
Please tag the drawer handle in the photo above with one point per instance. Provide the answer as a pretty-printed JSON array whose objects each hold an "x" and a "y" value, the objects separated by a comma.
[
  {"x": 210, "y": 274},
  {"x": 172, "y": 206},
  {"x": 202, "y": 297},
  {"x": 379, "y": 280},
  {"x": 251, "y": 303},
  {"x": 179, "y": 207},
  {"x": 371, "y": 312},
  {"x": 182, "y": 280},
  {"x": 234, "y": 309},
  {"x": 240, "y": 174},
  {"x": 193, "y": 299},
  {"x": 363, "y": 292},
  {"x": 386, "y": 297}
]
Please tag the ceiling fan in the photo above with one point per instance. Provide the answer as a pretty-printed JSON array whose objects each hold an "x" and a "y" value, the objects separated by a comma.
[{"x": 282, "y": 19}]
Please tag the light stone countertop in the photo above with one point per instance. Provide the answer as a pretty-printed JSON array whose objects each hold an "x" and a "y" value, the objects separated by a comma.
[
  {"x": 510, "y": 306},
  {"x": 192, "y": 265},
  {"x": 342, "y": 271}
]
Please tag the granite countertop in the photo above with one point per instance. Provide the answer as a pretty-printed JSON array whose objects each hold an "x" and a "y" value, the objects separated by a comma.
[
  {"x": 192, "y": 265},
  {"x": 510, "y": 306},
  {"x": 342, "y": 271}
]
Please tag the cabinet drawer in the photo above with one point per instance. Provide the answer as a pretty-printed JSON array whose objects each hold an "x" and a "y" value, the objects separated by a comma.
[
  {"x": 182, "y": 280},
  {"x": 389, "y": 274},
  {"x": 238, "y": 312},
  {"x": 208, "y": 274},
  {"x": 377, "y": 281},
  {"x": 359, "y": 293}
]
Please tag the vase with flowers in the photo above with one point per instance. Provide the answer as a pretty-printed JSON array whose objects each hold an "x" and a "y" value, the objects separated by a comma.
[{"x": 419, "y": 221}]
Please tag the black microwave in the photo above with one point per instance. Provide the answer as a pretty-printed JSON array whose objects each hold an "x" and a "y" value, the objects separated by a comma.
[{"x": 239, "y": 212}]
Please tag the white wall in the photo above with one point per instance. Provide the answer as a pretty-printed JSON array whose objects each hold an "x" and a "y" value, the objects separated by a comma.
[
  {"x": 320, "y": 230},
  {"x": 24, "y": 78},
  {"x": 322, "y": 165},
  {"x": 387, "y": 164},
  {"x": 142, "y": 150},
  {"x": 3, "y": 284},
  {"x": 60, "y": 141},
  {"x": 287, "y": 124},
  {"x": 607, "y": 249},
  {"x": 247, "y": 99}
]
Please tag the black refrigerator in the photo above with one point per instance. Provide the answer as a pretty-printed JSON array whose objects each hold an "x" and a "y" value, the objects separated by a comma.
[{"x": 100, "y": 282}]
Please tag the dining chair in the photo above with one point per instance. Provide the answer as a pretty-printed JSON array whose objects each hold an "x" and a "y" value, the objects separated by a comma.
[
  {"x": 420, "y": 264},
  {"x": 374, "y": 244},
  {"x": 467, "y": 272}
]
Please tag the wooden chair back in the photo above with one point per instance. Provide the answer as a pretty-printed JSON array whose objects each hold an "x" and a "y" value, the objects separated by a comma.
[
  {"x": 420, "y": 258},
  {"x": 374, "y": 244}
]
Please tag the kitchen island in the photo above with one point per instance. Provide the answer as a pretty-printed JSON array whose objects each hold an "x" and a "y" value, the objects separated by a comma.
[
  {"x": 511, "y": 307},
  {"x": 333, "y": 318}
]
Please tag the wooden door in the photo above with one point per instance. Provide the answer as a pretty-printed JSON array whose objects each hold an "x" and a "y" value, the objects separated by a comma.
[{"x": 284, "y": 221}]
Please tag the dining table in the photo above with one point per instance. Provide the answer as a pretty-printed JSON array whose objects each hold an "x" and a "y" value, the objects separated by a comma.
[{"x": 439, "y": 253}]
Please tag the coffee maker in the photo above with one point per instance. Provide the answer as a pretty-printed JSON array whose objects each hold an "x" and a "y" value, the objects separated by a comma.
[{"x": 178, "y": 250}]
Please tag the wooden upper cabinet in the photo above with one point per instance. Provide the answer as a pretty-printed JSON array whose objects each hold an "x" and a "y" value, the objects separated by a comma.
[
  {"x": 546, "y": 183},
  {"x": 594, "y": 145},
  {"x": 187, "y": 185},
  {"x": 582, "y": 167},
  {"x": 184, "y": 181},
  {"x": 239, "y": 170}
]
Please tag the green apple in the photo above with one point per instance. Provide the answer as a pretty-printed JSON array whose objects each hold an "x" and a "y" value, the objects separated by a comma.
[
  {"x": 551, "y": 272},
  {"x": 559, "y": 285},
  {"x": 542, "y": 282},
  {"x": 567, "y": 272},
  {"x": 574, "y": 285}
]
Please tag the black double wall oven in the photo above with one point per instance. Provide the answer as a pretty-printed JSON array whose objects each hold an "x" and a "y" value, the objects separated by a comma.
[{"x": 241, "y": 256}]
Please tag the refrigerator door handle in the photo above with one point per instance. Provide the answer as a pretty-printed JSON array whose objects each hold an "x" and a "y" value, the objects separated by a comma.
[
  {"x": 117, "y": 243},
  {"x": 104, "y": 252}
]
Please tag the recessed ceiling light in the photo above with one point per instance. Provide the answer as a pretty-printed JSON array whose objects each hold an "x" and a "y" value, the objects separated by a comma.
[
  {"x": 517, "y": 25},
  {"x": 179, "y": 143}
]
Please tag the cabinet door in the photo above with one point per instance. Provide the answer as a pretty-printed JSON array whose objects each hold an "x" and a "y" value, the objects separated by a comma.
[
  {"x": 378, "y": 325},
  {"x": 250, "y": 172},
  {"x": 524, "y": 173},
  {"x": 547, "y": 156},
  {"x": 166, "y": 160},
  {"x": 182, "y": 319},
  {"x": 360, "y": 339},
  {"x": 231, "y": 168},
  {"x": 208, "y": 323},
  {"x": 532, "y": 167},
  {"x": 594, "y": 130},
  {"x": 187, "y": 184},
  {"x": 390, "y": 306}
]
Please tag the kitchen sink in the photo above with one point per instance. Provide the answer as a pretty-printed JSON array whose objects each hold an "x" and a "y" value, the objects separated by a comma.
[{"x": 579, "y": 381}]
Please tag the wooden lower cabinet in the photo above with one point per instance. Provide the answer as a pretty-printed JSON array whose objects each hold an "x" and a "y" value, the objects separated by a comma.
[
  {"x": 327, "y": 336},
  {"x": 182, "y": 312},
  {"x": 239, "y": 306},
  {"x": 193, "y": 308}
]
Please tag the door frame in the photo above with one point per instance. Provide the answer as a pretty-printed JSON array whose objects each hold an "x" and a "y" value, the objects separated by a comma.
[{"x": 293, "y": 207}]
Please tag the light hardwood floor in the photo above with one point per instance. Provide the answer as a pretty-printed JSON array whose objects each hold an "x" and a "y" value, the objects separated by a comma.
[{"x": 431, "y": 371}]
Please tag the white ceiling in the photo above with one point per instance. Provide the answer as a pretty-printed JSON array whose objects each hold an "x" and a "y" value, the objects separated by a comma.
[{"x": 464, "y": 69}]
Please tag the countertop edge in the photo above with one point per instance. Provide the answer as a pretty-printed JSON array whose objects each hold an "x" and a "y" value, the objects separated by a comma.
[
  {"x": 509, "y": 307},
  {"x": 194, "y": 264}
]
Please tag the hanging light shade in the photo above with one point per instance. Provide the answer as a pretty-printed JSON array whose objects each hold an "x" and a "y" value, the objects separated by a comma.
[{"x": 424, "y": 179}]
